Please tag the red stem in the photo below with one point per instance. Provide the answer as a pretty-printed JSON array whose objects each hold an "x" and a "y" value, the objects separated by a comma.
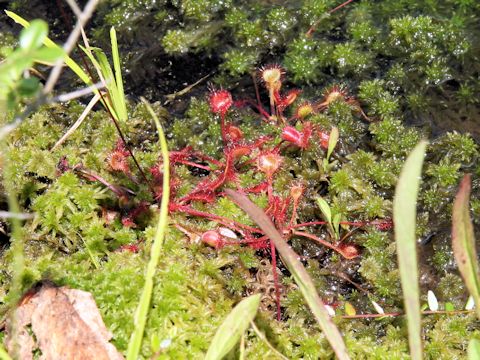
[
  {"x": 252, "y": 241},
  {"x": 222, "y": 220},
  {"x": 222, "y": 127},
  {"x": 191, "y": 163},
  {"x": 310, "y": 223},
  {"x": 317, "y": 239}
]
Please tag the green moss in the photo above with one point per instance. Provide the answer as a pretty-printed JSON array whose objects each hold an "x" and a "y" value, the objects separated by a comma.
[
  {"x": 393, "y": 138},
  {"x": 445, "y": 172},
  {"x": 63, "y": 211},
  {"x": 239, "y": 61},
  {"x": 350, "y": 60},
  {"x": 279, "y": 20},
  {"x": 448, "y": 338},
  {"x": 202, "y": 10},
  {"x": 380, "y": 101},
  {"x": 301, "y": 59},
  {"x": 363, "y": 32},
  {"x": 450, "y": 288}
]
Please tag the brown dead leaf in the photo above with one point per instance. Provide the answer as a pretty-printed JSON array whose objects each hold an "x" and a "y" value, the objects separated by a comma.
[{"x": 61, "y": 323}]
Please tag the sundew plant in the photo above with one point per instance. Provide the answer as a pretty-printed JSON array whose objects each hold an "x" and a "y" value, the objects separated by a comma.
[{"x": 303, "y": 214}]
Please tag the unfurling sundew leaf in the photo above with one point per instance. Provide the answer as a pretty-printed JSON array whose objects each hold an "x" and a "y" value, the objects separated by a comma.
[
  {"x": 404, "y": 218},
  {"x": 463, "y": 242},
  {"x": 233, "y": 327}
]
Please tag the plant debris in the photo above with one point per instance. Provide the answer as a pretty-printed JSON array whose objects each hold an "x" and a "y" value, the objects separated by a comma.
[{"x": 61, "y": 323}]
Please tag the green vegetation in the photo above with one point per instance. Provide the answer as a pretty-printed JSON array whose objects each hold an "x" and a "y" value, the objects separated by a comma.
[{"x": 369, "y": 71}]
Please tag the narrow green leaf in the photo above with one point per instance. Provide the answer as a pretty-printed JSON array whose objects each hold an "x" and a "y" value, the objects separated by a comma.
[
  {"x": 404, "y": 218},
  {"x": 325, "y": 208},
  {"x": 144, "y": 305},
  {"x": 474, "y": 349},
  {"x": 46, "y": 55},
  {"x": 463, "y": 241},
  {"x": 107, "y": 73},
  {"x": 107, "y": 103},
  {"x": 122, "y": 107},
  {"x": 233, "y": 327},
  {"x": 336, "y": 224},
  {"x": 332, "y": 141},
  {"x": 31, "y": 38},
  {"x": 303, "y": 280}
]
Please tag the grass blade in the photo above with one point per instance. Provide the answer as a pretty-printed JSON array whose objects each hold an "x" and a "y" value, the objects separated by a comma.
[
  {"x": 325, "y": 208},
  {"x": 233, "y": 327},
  {"x": 332, "y": 141},
  {"x": 463, "y": 242},
  {"x": 296, "y": 268},
  {"x": 404, "y": 218},
  {"x": 106, "y": 101},
  {"x": 122, "y": 107},
  {"x": 144, "y": 305}
]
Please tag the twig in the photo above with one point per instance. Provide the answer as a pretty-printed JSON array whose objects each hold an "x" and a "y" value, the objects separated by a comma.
[
  {"x": 429, "y": 312},
  {"x": 70, "y": 44},
  {"x": 77, "y": 93},
  {"x": 74, "y": 127},
  {"x": 171, "y": 97},
  {"x": 73, "y": 5},
  {"x": 13, "y": 215}
]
